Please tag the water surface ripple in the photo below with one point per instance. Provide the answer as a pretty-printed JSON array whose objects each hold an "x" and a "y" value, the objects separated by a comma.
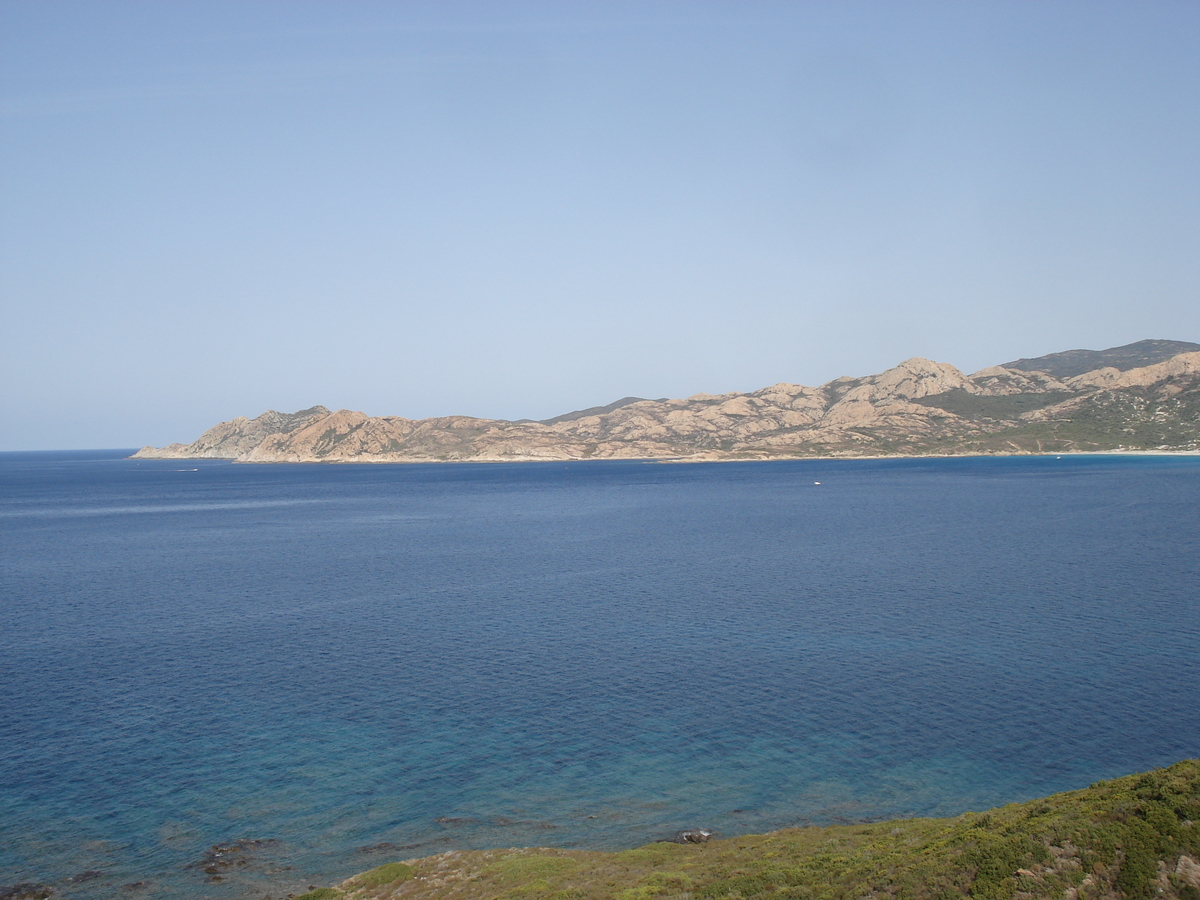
[{"x": 361, "y": 663}]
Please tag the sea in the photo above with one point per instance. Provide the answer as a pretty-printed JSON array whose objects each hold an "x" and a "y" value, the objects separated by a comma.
[{"x": 317, "y": 669}]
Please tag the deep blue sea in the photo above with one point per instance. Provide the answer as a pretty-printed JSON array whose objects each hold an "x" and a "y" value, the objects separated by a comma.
[{"x": 362, "y": 663}]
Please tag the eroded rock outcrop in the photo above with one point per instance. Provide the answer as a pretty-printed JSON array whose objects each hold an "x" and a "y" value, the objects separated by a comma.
[{"x": 238, "y": 437}]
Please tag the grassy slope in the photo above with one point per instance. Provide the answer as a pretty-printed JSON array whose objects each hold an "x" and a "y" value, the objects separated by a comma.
[{"x": 1132, "y": 837}]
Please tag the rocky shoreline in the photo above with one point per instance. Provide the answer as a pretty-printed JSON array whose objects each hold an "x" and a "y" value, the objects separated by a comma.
[{"x": 1133, "y": 837}]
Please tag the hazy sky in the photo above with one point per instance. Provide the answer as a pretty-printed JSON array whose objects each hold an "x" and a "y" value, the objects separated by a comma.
[{"x": 503, "y": 209}]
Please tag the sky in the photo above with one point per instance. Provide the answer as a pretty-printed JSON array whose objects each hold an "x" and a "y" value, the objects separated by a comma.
[{"x": 513, "y": 210}]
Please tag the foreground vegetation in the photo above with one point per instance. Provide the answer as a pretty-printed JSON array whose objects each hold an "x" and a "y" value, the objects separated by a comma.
[{"x": 1135, "y": 837}]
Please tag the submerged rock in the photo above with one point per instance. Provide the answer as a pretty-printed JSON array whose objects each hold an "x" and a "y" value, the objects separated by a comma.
[
  {"x": 89, "y": 875},
  {"x": 26, "y": 890},
  {"x": 539, "y": 824},
  {"x": 456, "y": 820},
  {"x": 383, "y": 847},
  {"x": 236, "y": 854}
]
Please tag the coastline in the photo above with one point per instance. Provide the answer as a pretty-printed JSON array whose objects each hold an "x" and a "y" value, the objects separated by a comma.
[
  {"x": 919, "y": 408},
  {"x": 1129, "y": 837},
  {"x": 723, "y": 458}
]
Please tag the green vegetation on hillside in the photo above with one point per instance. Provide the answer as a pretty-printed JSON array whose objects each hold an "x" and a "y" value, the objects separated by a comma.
[
  {"x": 983, "y": 406},
  {"x": 1135, "y": 837}
]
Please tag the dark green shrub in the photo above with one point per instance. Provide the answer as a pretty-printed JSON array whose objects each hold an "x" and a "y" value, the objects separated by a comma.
[
  {"x": 1140, "y": 865},
  {"x": 746, "y": 885},
  {"x": 996, "y": 863},
  {"x": 1162, "y": 819}
]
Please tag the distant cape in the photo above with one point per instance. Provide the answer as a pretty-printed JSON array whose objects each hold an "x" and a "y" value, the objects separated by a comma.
[{"x": 1142, "y": 396}]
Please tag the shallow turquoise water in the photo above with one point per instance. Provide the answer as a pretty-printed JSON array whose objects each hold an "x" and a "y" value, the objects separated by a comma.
[{"x": 364, "y": 663}]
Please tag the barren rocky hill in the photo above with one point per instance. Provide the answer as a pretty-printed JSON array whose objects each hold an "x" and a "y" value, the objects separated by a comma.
[{"x": 919, "y": 407}]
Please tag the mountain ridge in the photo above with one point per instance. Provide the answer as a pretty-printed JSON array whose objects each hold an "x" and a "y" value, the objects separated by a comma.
[
  {"x": 1123, "y": 358},
  {"x": 917, "y": 408}
]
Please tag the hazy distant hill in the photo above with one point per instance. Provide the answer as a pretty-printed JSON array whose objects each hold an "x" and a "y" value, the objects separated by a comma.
[
  {"x": 1142, "y": 396},
  {"x": 1130, "y": 356},
  {"x": 595, "y": 410}
]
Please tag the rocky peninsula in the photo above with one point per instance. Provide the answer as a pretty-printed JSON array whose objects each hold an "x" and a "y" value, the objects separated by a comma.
[{"x": 1139, "y": 397}]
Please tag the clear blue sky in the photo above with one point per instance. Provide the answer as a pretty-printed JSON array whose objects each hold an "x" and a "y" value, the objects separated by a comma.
[{"x": 503, "y": 209}]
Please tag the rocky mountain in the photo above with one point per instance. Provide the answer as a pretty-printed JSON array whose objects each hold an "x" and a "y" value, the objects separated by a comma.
[
  {"x": 918, "y": 408},
  {"x": 235, "y": 439}
]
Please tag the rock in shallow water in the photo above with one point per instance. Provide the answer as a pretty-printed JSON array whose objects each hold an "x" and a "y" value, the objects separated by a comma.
[
  {"x": 222, "y": 857},
  {"x": 89, "y": 875},
  {"x": 26, "y": 890}
]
